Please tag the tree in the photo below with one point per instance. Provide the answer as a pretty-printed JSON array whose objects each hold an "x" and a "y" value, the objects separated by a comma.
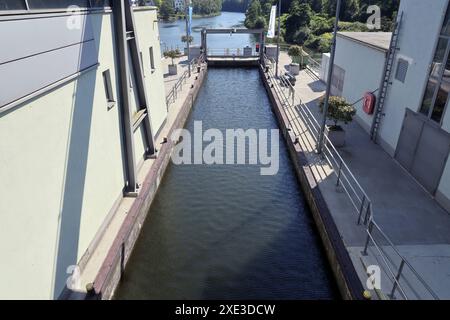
[
  {"x": 166, "y": 10},
  {"x": 184, "y": 38},
  {"x": 299, "y": 18},
  {"x": 171, "y": 54},
  {"x": 349, "y": 9},
  {"x": 254, "y": 11},
  {"x": 339, "y": 110}
]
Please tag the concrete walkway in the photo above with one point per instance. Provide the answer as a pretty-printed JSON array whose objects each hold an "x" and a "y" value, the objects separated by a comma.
[{"x": 407, "y": 214}]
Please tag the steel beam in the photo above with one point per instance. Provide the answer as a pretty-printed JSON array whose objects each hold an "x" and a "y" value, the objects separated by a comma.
[{"x": 125, "y": 106}]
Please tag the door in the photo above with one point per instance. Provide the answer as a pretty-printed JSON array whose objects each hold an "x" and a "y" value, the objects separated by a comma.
[{"x": 423, "y": 149}]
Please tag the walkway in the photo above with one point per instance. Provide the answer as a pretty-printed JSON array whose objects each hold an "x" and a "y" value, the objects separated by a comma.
[{"x": 412, "y": 219}]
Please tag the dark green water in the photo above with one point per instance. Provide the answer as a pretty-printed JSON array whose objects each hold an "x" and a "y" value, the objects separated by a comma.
[{"x": 225, "y": 231}]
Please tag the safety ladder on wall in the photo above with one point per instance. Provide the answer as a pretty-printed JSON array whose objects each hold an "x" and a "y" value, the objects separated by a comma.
[
  {"x": 386, "y": 79},
  {"x": 129, "y": 51}
]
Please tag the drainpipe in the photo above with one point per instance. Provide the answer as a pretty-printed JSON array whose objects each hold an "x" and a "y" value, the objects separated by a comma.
[{"x": 330, "y": 74}]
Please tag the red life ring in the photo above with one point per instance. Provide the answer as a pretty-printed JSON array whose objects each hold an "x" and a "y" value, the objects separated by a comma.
[{"x": 369, "y": 102}]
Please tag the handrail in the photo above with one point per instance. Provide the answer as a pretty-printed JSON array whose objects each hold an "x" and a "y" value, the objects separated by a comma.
[
  {"x": 357, "y": 195},
  {"x": 231, "y": 52},
  {"x": 172, "y": 96}
]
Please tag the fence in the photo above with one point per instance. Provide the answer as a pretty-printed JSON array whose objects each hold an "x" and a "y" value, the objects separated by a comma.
[
  {"x": 395, "y": 266},
  {"x": 173, "y": 94}
]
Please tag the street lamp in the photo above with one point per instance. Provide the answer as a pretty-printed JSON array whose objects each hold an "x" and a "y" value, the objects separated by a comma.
[{"x": 329, "y": 77}]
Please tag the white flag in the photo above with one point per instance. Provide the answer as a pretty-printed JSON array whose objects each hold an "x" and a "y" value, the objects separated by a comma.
[{"x": 271, "y": 31}]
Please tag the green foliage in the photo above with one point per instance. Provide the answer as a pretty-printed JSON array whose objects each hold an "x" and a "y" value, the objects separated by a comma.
[
  {"x": 295, "y": 51},
  {"x": 172, "y": 54},
  {"x": 297, "y": 22},
  {"x": 185, "y": 38},
  {"x": 311, "y": 22},
  {"x": 206, "y": 7},
  {"x": 321, "y": 24},
  {"x": 324, "y": 44},
  {"x": 166, "y": 9},
  {"x": 339, "y": 110},
  {"x": 254, "y": 12},
  {"x": 349, "y": 9},
  {"x": 352, "y": 26}
]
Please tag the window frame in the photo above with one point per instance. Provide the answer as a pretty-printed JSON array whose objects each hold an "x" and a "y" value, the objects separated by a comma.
[{"x": 439, "y": 78}]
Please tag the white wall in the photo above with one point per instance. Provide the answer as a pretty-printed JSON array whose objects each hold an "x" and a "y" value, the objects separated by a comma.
[
  {"x": 423, "y": 22},
  {"x": 61, "y": 168},
  {"x": 363, "y": 67}
]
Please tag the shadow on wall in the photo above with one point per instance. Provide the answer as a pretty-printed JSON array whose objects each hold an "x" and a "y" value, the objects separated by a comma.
[{"x": 76, "y": 167}]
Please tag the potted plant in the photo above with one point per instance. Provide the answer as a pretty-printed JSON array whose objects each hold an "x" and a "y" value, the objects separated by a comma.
[
  {"x": 298, "y": 55},
  {"x": 172, "y": 54},
  {"x": 295, "y": 52},
  {"x": 339, "y": 110}
]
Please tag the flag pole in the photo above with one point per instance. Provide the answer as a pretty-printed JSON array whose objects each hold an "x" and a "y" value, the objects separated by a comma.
[{"x": 278, "y": 37}]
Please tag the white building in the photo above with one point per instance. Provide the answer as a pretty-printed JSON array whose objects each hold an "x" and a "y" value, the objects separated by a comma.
[
  {"x": 63, "y": 153},
  {"x": 415, "y": 121}
]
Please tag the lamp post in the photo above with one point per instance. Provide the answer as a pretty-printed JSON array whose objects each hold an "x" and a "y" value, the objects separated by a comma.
[
  {"x": 329, "y": 77},
  {"x": 278, "y": 37},
  {"x": 187, "y": 4}
]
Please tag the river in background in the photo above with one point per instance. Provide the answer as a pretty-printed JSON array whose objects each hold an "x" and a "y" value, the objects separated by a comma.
[{"x": 171, "y": 32}]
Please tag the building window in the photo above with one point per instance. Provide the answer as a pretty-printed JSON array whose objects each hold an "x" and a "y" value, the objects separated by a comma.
[
  {"x": 402, "y": 70},
  {"x": 108, "y": 89},
  {"x": 438, "y": 87},
  {"x": 152, "y": 59}
]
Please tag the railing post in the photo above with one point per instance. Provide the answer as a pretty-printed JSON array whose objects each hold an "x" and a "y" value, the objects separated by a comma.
[
  {"x": 368, "y": 212},
  {"x": 361, "y": 209},
  {"x": 397, "y": 278},
  {"x": 369, "y": 229},
  {"x": 339, "y": 173}
]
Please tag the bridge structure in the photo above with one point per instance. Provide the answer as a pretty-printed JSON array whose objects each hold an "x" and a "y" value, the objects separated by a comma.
[{"x": 246, "y": 56}]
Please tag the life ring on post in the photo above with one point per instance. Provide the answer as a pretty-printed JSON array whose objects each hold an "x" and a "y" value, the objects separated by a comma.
[{"x": 369, "y": 102}]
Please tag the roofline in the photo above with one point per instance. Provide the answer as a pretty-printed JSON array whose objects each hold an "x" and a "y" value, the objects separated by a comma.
[{"x": 373, "y": 46}]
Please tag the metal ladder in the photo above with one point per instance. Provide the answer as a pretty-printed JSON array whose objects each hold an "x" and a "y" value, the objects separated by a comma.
[
  {"x": 386, "y": 79},
  {"x": 128, "y": 50}
]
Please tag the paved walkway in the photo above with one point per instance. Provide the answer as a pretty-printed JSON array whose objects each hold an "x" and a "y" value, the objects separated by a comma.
[{"x": 411, "y": 218}]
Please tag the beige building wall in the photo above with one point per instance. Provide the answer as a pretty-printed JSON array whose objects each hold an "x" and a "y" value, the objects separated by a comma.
[{"x": 61, "y": 167}]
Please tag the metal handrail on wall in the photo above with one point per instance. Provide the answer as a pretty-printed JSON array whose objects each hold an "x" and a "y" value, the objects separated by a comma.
[
  {"x": 230, "y": 52},
  {"x": 346, "y": 179},
  {"x": 178, "y": 86}
]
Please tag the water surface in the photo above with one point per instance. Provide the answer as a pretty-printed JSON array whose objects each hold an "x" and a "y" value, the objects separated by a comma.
[{"x": 225, "y": 231}]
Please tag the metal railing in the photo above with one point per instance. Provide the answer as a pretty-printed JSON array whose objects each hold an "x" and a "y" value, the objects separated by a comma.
[
  {"x": 310, "y": 63},
  {"x": 178, "y": 86},
  {"x": 394, "y": 263},
  {"x": 232, "y": 52}
]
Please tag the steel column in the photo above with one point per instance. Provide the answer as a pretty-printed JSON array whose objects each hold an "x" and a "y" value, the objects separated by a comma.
[{"x": 124, "y": 74}]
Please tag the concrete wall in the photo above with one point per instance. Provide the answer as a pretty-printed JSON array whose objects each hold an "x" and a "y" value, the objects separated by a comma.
[
  {"x": 363, "y": 67},
  {"x": 61, "y": 166},
  {"x": 422, "y": 22}
]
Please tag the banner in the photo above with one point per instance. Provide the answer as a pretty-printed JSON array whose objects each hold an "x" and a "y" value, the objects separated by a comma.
[
  {"x": 273, "y": 14},
  {"x": 190, "y": 21}
]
